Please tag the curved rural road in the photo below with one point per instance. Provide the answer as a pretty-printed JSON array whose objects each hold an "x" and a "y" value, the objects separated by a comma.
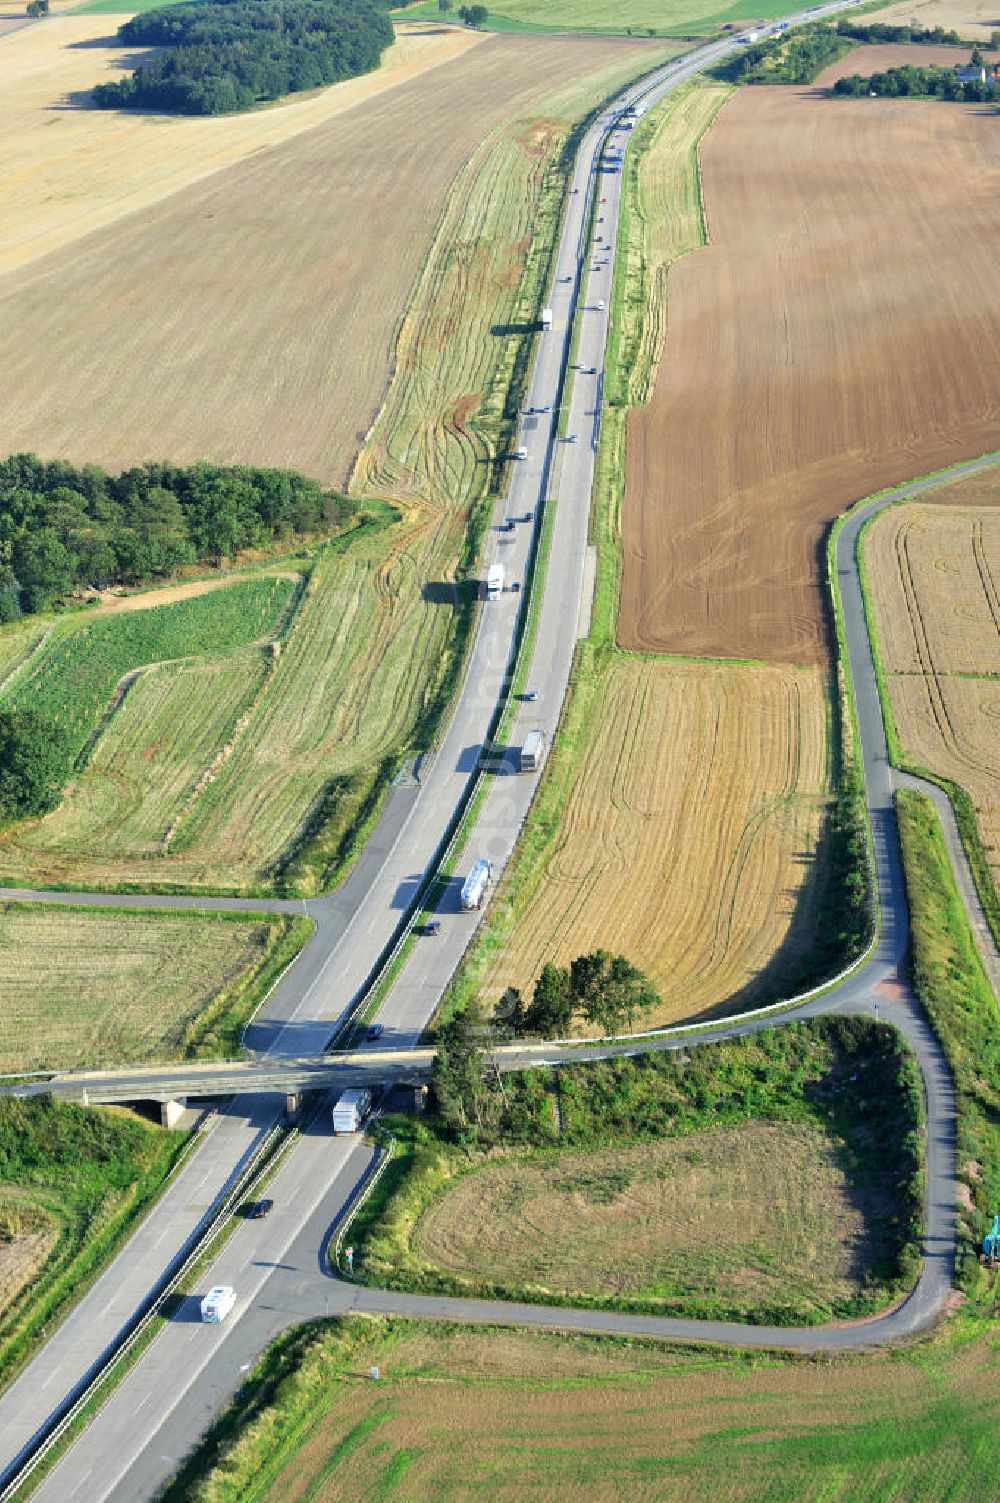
[{"x": 277, "y": 1264}]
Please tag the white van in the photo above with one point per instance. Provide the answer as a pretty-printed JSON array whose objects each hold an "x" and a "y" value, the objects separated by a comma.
[
  {"x": 217, "y": 1304},
  {"x": 521, "y": 454}
]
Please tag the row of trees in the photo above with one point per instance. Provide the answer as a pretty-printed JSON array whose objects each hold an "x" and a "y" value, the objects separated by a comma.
[
  {"x": 64, "y": 528},
  {"x": 937, "y": 83},
  {"x": 879, "y": 31},
  {"x": 227, "y": 55},
  {"x": 605, "y": 990}
]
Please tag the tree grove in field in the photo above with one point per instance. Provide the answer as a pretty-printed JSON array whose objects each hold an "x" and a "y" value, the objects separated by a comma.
[
  {"x": 63, "y": 528},
  {"x": 228, "y": 55}
]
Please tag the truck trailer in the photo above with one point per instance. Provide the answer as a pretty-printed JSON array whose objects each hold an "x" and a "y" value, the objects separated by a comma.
[
  {"x": 217, "y": 1304},
  {"x": 350, "y": 1110},
  {"x": 546, "y": 318},
  {"x": 494, "y": 582},
  {"x": 533, "y": 751},
  {"x": 475, "y": 885}
]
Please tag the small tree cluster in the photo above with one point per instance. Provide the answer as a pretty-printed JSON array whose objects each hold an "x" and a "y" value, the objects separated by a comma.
[
  {"x": 37, "y": 9},
  {"x": 33, "y": 755},
  {"x": 606, "y": 991},
  {"x": 473, "y": 15}
]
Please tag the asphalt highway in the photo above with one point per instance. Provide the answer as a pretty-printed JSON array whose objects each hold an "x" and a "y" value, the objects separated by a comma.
[{"x": 317, "y": 1180}]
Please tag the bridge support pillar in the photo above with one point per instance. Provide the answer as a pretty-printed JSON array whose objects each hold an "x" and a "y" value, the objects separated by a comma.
[
  {"x": 293, "y": 1105},
  {"x": 171, "y": 1112}
]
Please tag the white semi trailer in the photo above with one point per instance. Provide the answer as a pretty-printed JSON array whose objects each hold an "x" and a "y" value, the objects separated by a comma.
[
  {"x": 494, "y": 582},
  {"x": 546, "y": 318},
  {"x": 351, "y": 1109},
  {"x": 475, "y": 885}
]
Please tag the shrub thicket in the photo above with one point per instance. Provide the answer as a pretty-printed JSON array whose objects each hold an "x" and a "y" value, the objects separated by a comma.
[
  {"x": 922, "y": 83},
  {"x": 791, "y": 57},
  {"x": 227, "y": 55}
]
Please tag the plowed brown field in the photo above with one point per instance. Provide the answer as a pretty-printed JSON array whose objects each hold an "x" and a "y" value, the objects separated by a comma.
[
  {"x": 934, "y": 580},
  {"x": 837, "y": 336},
  {"x": 252, "y": 317},
  {"x": 687, "y": 837}
]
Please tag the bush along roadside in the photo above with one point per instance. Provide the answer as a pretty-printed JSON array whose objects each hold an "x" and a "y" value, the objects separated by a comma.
[
  {"x": 794, "y": 1073},
  {"x": 949, "y": 979}
]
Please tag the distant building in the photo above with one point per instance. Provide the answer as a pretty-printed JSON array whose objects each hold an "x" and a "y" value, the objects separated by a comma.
[{"x": 969, "y": 73}]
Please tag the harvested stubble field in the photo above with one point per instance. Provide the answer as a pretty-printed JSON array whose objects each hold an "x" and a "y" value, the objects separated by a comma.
[
  {"x": 934, "y": 582},
  {"x": 96, "y": 988},
  {"x": 976, "y": 19},
  {"x": 655, "y": 1221},
  {"x": 464, "y": 1414},
  {"x": 687, "y": 840},
  {"x": 368, "y": 644},
  {"x": 66, "y": 169},
  {"x": 810, "y": 362},
  {"x": 252, "y": 317}
]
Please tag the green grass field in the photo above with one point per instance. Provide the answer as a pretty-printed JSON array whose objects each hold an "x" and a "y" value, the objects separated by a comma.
[
  {"x": 82, "y": 1175},
  {"x": 670, "y": 18},
  {"x": 73, "y": 679},
  {"x": 464, "y": 1414},
  {"x": 88, "y": 988}
]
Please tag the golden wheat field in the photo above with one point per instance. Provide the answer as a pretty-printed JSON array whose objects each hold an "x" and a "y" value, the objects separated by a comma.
[
  {"x": 934, "y": 580},
  {"x": 252, "y": 316},
  {"x": 688, "y": 835},
  {"x": 91, "y": 988}
]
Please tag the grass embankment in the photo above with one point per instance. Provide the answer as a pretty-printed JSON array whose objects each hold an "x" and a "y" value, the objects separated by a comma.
[
  {"x": 665, "y": 1183},
  {"x": 91, "y": 987},
  {"x": 949, "y": 979},
  {"x": 520, "y": 1414},
  {"x": 738, "y": 925},
  {"x": 87, "y": 1174}
]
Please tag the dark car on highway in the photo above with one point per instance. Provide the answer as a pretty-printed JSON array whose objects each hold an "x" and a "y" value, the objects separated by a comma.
[
  {"x": 374, "y": 1031},
  {"x": 258, "y": 1209}
]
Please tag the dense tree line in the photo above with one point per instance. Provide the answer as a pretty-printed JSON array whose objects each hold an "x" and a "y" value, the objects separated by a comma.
[
  {"x": 63, "y": 528},
  {"x": 227, "y": 55},
  {"x": 938, "y": 83},
  {"x": 878, "y": 31}
]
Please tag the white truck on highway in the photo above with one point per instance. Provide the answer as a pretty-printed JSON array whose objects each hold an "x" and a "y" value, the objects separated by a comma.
[
  {"x": 494, "y": 582},
  {"x": 350, "y": 1110},
  {"x": 475, "y": 885},
  {"x": 546, "y": 318},
  {"x": 217, "y": 1304},
  {"x": 533, "y": 751}
]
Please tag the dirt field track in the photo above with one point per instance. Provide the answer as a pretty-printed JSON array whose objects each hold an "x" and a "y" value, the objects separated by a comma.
[
  {"x": 714, "y": 910},
  {"x": 252, "y": 316},
  {"x": 934, "y": 577},
  {"x": 809, "y": 361}
]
